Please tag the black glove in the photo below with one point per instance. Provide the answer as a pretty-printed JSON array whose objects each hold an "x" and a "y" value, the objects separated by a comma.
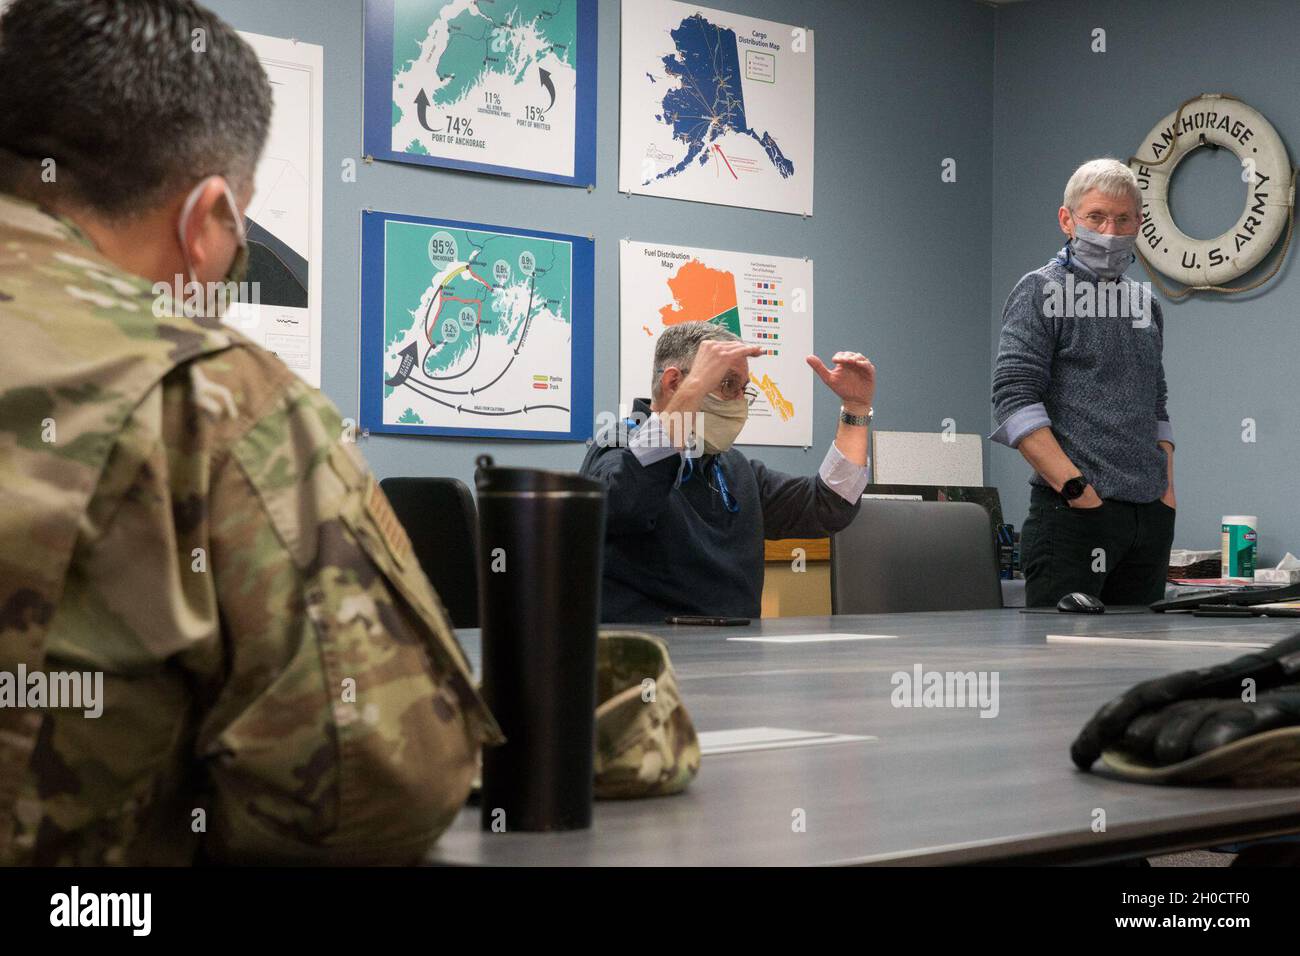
[
  {"x": 1190, "y": 728},
  {"x": 1279, "y": 664}
]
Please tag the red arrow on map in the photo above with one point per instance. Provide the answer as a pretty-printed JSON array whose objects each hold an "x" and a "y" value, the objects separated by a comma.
[{"x": 725, "y": 160}]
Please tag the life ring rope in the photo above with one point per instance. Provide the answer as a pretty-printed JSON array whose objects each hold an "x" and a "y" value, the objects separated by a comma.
[{"x": 1178, "y": 115}]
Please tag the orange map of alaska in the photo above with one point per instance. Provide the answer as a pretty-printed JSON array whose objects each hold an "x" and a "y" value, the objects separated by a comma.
[{"x": 701, "y": 294}]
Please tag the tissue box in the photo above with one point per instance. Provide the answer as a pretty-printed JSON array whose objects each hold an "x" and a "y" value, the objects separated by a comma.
[
  {"x": 1277, "y": 576},
  {"x": 1286, "y": 572}
]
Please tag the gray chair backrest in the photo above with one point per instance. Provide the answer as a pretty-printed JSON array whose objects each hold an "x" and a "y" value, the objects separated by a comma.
[{"x": 914, "y": 556}]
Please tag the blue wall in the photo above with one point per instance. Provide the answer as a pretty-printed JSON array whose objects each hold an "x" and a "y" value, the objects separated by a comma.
[
  {"x": 910, "y": 270},
  {"x": 901, "y": 257},
  {"x": 1058, "y": 104}
]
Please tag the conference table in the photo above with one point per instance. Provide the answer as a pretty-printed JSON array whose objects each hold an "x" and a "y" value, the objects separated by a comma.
[{"x": 822, "y": 748}]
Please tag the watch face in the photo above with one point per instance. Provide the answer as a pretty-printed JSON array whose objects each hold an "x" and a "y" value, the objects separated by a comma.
[{"x": 1073, "y": 488}]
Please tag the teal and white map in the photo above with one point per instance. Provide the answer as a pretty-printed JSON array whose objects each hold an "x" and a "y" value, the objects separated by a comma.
[
  {"x": 717, "y": 107},
  {"x": 477, "y": 329},
  {"x": 486, "y": 81}
]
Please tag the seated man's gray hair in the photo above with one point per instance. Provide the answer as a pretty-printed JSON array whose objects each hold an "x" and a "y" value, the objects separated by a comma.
[
  {"x": 678, "y": 344},
  {"x": 1110, "y": 176}
]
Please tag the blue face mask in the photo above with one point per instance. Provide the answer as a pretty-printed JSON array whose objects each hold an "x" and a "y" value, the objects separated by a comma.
[{"x": 1108, "y": 256}]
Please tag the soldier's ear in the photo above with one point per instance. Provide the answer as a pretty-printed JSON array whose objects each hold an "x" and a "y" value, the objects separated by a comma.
[{"x": 202, "y": 227}]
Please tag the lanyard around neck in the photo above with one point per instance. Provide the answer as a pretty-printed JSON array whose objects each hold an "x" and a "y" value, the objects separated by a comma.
[{"x": 728, "y": 500}]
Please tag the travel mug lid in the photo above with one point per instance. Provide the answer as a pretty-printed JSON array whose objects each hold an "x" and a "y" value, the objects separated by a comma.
[{"x": 532, "y": 482}]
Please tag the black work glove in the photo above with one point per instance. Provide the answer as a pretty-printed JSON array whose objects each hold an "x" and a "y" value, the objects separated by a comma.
[
  {"x": 1279, "y": 664},
  {"x": 1190, "y": 728}
]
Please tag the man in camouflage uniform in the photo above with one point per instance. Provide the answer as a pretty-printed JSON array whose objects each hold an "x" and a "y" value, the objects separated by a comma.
[{"x": 177, "y": 510}]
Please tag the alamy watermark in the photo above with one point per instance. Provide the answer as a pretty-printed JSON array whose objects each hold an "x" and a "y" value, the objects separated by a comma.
[
  {"x": 688, "y": 427},
  {"x": 238, "y": 303},
  {"x": 56, "y": 690},
  {"x": 133, "y": 911},
  {"x": 953, "y": 689},
  {"x": 1098, "y": 300}
]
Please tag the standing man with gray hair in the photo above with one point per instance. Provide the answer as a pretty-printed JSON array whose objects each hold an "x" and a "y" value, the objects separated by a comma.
[
  {"x": 1079, "y": 389},
  {"x": 688, "y": 513}
]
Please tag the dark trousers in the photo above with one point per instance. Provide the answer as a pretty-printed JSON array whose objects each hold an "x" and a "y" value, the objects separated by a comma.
[{"x": 1118, "y": 552}]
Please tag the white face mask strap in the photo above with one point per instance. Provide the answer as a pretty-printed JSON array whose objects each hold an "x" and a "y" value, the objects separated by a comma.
[
  {"x": 188, "y": 209},
  {"x": 234, "y": 213}
]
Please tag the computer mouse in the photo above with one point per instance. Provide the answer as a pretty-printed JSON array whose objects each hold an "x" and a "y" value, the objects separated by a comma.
[{"x": 1079, "y": 603}]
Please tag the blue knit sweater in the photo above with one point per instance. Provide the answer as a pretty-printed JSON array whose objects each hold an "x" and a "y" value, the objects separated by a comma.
[{"x": 1085, "y": 358}]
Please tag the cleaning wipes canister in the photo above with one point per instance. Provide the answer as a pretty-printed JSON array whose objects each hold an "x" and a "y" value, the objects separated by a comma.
[{"x": 1239, "y": 537}]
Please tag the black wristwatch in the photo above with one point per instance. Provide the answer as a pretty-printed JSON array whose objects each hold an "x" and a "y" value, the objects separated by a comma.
[{"x": 1074, "y": 488}]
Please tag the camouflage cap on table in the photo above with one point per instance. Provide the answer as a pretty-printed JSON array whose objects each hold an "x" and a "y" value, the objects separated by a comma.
[{"x": 645, "y": 742}]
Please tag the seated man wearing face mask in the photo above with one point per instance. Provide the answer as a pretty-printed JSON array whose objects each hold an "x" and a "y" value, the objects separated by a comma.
[
  {"x": 1079, "y": 389},
  {"x": 688, "y": 513}
]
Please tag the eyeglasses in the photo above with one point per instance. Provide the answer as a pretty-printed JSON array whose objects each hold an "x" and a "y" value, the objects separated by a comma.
[
  {"x": 732, "y": 387},
  {"x": 1096, "y": 220}
]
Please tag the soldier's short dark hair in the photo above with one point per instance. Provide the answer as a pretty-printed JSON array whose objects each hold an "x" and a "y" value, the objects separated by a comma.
[{"x": 133, "y": 100}]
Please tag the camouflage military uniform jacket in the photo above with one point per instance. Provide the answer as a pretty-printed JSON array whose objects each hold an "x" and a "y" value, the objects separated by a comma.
[{"x": 180, "y": 513}]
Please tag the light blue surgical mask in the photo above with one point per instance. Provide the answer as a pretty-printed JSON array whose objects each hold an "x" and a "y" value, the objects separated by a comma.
[{"x": 1106, "y": 255}]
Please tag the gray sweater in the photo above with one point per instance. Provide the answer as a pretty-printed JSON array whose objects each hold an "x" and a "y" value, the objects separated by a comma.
[{"x": 1078, "y": 357}]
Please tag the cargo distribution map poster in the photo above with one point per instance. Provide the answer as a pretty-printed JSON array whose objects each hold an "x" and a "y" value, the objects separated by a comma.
[
  {"x": 473, "y": 330},
  {"x": 489, "y": 86},
  {"x": 716, "y": 107},
  {"x": 766, "y": 300}
]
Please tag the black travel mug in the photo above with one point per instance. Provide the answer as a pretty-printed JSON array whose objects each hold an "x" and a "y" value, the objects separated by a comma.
[{"x": 541, "y": 542}]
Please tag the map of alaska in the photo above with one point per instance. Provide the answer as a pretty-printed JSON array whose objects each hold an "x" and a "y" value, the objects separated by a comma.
[
  {"x": 477, "y": 326},
  {"x": 701, "y": 294},
  {"x": 710, "y": 101},
  {"x": 487, "y": 81}
]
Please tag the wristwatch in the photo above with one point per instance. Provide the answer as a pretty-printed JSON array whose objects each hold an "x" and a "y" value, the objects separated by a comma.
[
  {"x": 861, "y": 421},
  {"x": 1074, "y": 488}
]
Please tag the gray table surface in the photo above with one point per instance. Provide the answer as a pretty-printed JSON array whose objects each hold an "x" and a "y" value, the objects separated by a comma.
[{"x": 938, "y": 785}]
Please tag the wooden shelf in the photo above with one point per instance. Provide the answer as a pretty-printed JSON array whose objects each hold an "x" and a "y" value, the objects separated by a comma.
[{"x": 815, "y": 549}]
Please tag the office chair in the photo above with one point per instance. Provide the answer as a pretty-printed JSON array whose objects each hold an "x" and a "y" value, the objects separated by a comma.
[
  {"x": 440, "y": 518},
  {"x": 914, "y": 556}
]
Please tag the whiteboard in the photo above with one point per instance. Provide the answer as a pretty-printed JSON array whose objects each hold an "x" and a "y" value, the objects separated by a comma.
[{"x": 927, "y": 458}]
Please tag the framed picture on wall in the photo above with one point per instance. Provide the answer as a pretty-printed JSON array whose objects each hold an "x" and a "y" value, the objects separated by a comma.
[
  {"x": 475, "y": 331},
  {"x": 506, "y": 88},
  {"x": 716, "y": 106}
]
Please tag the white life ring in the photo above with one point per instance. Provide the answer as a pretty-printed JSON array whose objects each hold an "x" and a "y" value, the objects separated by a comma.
[{"x": 1224, "y": 121}]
